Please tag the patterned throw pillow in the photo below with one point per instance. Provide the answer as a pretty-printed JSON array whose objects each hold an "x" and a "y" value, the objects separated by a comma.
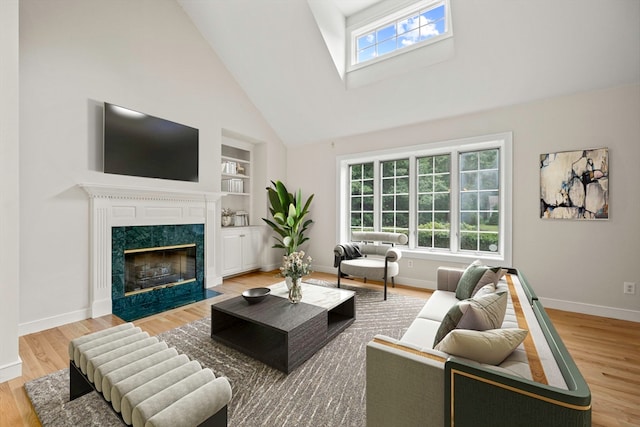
[
  {"x": 482, "y": 313},
  {"x": 490, "y": 347}
]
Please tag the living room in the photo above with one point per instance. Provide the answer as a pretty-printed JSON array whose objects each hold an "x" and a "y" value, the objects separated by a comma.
[{"x": 65, "y": 58}]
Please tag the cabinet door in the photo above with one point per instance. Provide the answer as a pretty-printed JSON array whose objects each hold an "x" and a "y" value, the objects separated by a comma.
[
  {"x": 251, "y": 250},
  {"x": 231, "y": 254}
]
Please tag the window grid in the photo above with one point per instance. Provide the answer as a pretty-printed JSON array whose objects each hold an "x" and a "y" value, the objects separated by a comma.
[
  {"x": 433, "y": 201},
  {"x": 361, "y": 197},
  {"x": 416, "y": 27},
  {"x": 479, "y": 201},
  {"x": 395, "y": 196}
]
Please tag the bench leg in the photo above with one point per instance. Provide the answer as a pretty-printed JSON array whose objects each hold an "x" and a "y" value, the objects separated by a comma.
[
  {"x": 219, "y": 419},
  {"x": 79, "y": 385}
]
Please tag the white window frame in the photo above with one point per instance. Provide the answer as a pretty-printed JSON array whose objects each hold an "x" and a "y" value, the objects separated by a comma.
[
  {"x": 502, "y": 141},
  {"x": 356, "y": 30}
]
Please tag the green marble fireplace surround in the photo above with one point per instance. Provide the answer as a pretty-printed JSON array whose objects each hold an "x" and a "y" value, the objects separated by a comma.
[{"x": 141, "y": 304}]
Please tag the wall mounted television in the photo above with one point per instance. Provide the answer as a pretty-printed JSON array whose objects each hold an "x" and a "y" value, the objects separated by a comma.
[{"x": 137, "y": 144}]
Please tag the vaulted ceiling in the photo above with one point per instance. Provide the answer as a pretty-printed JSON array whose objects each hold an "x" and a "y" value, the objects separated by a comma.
[{"x": 504, "y": 52}]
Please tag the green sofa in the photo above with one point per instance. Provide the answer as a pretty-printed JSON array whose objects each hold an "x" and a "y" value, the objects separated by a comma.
[{"x": 409, "y": 383}]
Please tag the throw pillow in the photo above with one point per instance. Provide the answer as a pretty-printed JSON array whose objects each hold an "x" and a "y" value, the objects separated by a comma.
[
  {"x": 469, "y": 279},
  {"x": 490, "y": 276},
  {"x": 490, "y": 347},
  {"x": 484, "y": 312},
  {"x": 487, "y": 289}
]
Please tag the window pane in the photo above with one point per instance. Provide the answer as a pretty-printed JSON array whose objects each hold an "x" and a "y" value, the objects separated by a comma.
[
  {"x": 488, "y": 180},
  {"x": 442, "y": 163},
  {"x": 469, "y": 201},
  {"x": 388, "y": 219},
  {"x": 489, "y": 221},
  {"x": 386, "y": 33},
  {"x": 489, "y": 200},
  {"x": 356, "y": 172},
  {"x": 425, "y": 165},
  {"x": 388, "y": 169},
  {"x": 489, "y": 159},
  {"x": 469, "y": 221},
  {"x": 355, "y": 220},
  {"x": 441, "y": 239},
  {"x": 386, "y": 46},
  {"x": 469, "y": 181},
  {"x": 425, "y": 238},
  {"x": 409, "y": 38},
  {"x": 402, "y": 220},
  {"x": 408, "y": 24},
  {"x": 468, "y": 161},
  {"x": 367, "y": 221},
  {"x": 489, "y": 242},
  {"x": 441, "y": 183},
  {"x": 356, "y": 188},
  {"x": 367, "y": 170},
  {"x": 356, "y": 203},
  {"x": 425, "y": 183},
  {"x": 367, "y": 204},
  {"x": 402, "y": 185},
  {"x": 441, "y": 220},
  {"x": 388, "y": 186},
  {"x": 366, "y": 40},
  {"x": 366, "y": 54},
  {"x": 425, "y": 202},
  {"x": 441, "y": 201},
  {"x": 424, "y": 218},
  {"x": 367, "y": 186},
  {"x": 402, "y": 202},
  {"x": 469, "y": 241},
  {"x": 388, "y": 203}
]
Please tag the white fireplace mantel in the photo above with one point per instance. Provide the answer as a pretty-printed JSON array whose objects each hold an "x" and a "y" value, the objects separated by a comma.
[{"x": 117, "y": 206}]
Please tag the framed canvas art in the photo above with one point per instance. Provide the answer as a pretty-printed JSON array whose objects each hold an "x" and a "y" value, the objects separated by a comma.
[{"x": 575, "y": 184}]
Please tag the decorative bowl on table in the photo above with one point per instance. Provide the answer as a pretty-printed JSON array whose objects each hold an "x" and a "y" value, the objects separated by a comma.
[{"x": 255, "y": 295}]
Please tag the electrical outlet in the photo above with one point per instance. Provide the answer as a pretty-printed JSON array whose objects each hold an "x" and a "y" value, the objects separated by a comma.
[
  {"x": 410, "y": 263},
  {"x": 629, "y": 288}
]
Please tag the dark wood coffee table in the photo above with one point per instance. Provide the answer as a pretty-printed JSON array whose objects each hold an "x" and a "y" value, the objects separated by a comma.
[{"x": 281, "y": 334}]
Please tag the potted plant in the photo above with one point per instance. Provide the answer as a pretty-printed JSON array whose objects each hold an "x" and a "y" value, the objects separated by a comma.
[{"x": 288, "y": 212}]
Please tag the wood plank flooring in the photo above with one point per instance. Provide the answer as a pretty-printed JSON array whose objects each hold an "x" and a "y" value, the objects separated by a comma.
[{"x": 607, "y": 352}]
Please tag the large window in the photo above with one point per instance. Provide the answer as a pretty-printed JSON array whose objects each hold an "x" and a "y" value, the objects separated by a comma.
[{"x": 452, "y": 198}]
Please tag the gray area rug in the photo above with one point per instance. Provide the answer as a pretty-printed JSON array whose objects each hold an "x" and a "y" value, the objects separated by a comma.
[{"x": 328, "y": 389}]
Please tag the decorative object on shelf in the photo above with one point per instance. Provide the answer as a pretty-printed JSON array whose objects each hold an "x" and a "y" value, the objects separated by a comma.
[
  {"x": 288, "y": 212},
  {"x": 294, "y": 267},
  {"x": 255, "y": 295},
  {"x": 575, "y": 184},
  {"x": 227, "y": 217}
]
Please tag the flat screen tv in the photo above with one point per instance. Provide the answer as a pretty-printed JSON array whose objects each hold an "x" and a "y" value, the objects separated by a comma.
[{"x": 138, "y": 144}]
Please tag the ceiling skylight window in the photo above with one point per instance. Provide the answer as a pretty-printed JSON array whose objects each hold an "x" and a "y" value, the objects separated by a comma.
[{"x": 420, "y": 24}]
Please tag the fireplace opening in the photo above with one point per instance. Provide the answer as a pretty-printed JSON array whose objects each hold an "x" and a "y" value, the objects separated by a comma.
[{"x": 147, "y": 269}]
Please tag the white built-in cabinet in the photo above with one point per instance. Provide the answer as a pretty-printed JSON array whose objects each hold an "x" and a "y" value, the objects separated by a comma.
[
  {"x": 241, "y": 248},
  {"x": 241, "y": 241}
]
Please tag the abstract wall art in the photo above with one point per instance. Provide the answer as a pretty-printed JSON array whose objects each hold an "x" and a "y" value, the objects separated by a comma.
[{"x": 575, "y": 184}]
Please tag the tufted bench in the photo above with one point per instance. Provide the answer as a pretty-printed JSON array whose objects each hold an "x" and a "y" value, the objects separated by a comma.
[{"x": 147, "y": 383}]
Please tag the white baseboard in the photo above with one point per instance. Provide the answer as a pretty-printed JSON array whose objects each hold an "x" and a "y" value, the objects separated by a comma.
[
  {"x": 11, "y": 370},
  {"x": 592, "y": 309},
  {"x": 52, "y": 322}
]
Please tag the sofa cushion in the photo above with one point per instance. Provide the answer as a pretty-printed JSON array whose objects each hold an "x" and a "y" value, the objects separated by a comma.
[
  {"x": 475, "y": 277},
  {"x": 491, "y": 346},
  {"x": 484, "y": 312}
]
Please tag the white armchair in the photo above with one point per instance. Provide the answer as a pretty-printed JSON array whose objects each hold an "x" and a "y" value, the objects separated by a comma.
[{"x": 370, "y": 255}]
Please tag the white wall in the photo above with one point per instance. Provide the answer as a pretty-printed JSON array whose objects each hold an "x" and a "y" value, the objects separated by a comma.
[
  {"x": 578, "y": 266},
  {"x": 10, "y": 363},
  {"x": 74, "y": 55}
]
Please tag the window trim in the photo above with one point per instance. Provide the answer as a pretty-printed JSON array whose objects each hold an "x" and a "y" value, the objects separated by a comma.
[
  {"x": 503, "y": 141},
  {"x": 356, "y": 30}
]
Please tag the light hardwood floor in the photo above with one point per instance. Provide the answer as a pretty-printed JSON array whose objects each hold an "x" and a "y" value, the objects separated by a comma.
[{"x": 607, "y": 352}]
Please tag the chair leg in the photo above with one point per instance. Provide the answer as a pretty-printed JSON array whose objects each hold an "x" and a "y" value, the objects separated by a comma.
[
  {"x": 385, "y": 288},
  {"x": 339, "y": 274},
  {"x": 393, "y": 282}
]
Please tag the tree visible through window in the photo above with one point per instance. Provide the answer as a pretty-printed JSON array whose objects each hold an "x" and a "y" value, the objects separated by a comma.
[
  {"x": 434, "y": 207},
  {"x": 479, "y": 201},
  {"x": 361, "y": 196}
]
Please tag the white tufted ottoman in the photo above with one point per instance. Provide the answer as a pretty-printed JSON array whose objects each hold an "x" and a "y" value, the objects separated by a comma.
[{"x": 147, "y": 383}]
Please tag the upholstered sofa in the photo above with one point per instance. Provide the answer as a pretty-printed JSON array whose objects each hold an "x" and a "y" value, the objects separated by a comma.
[{"x": 476, "y": 377}]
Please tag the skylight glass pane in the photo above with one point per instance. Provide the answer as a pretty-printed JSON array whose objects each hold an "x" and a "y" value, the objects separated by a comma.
[
  {"x": 367, "y": 54},
  {"x": 408, "y": 24},
  {"x": 386, "y": 33},
  {"x": 366, "y": 41},
  {"x": 387, "y": 46},
  {"x": 409, "y": 38}
]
